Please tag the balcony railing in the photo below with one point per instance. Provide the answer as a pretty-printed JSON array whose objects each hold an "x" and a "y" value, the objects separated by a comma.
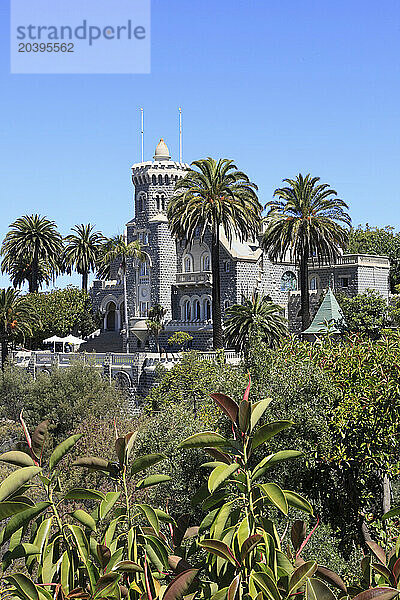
[
  {"x": 352, "y": 259},
  {"x": 194, "y": 278}
]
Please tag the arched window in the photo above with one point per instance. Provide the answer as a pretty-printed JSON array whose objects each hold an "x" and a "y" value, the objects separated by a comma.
[
  {"x": 154, "y": 180},
  {"x": 110, "y": 316},
  {"x": 226, "y": 304},
  {"x": 196, "y": 310},
  {"x": 188, "y": 263},
  {"x": 207, "y": 309},
  {"x": 187, "y": 311},
  {"x": 314, "y": 283},
  {"x": 143, "y": 269},
  {"x": 158, "y": 202},
  {"x": 167, "y": 179},
  {"x": 163, "y": 203},
  {"x": 288, "y": 281},
  {"x": 160, "y": 181},
  {"x": 205, "y": 262},
  {"x": 141, "y": 201}
]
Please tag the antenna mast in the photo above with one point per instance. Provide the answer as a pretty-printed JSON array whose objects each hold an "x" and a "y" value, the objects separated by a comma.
[
  {"x": 180, "y": 134},
  {"x": 142, "y": 133}
]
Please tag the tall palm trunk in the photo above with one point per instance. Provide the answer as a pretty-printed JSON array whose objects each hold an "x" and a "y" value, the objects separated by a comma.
[
  {"x": 304, "y": 292},
  {"x": 33, "y": 284},
  {"x": 4, "y": 350},
  {"x": 85, "y": 281},
  {"x": 218, "y": 340},
  {"x": 126, "y": 312}
]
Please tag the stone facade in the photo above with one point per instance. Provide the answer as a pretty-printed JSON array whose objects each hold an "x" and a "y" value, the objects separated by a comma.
[{"x": 179, "y": 278}]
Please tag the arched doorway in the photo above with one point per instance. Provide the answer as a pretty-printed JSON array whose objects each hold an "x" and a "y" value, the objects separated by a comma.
[{"x": 110, "y": 320}]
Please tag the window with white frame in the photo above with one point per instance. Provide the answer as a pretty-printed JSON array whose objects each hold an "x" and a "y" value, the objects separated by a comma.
[
  {"x": 144, "y": 309},
  {"x": 205, "y": 262},
  {"x": 344, "y": 282},
  {"x": 314, "y": 283},
  {"x": 196, "y": 310},
  {"x": 207, "y": 309},
  {"x": 288, "y": 281},
  {"x": 188, "y": 263},
  {"x": 187, "y": 311}
]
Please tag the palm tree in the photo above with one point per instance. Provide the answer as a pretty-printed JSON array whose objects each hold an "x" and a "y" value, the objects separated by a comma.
[
  {"x": 216, "y": 196},
  {"x": 155, "y": 322},
  {"x": 117, "y": 248},
  {"x": 20, "y": 270},
  {"x": 82, "y": 250},
  {"x": 256, "y": 319},
  {"x": 33, "y": 239},
  {"x": 306, "y": 223},
  {"x": 17, "y": 317}
]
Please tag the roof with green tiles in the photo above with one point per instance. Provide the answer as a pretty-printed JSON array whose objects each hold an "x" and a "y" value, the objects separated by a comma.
[{"x": 328, "y": 312}]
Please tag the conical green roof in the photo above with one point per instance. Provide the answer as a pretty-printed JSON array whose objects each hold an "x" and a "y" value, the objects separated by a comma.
[{"x": 328, "y": 312}]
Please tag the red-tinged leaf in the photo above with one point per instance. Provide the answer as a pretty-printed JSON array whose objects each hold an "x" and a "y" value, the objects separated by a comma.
[
  {"x": 244, "y": 415},
  {"x": 91, "y": 462},
  {"x": 219, "y": 549},
  {"x": 384, "y": 571},
  {"x": 378, "y": 551},
  {"x": 301, "y": 574},
  {"x": 331, "y": 577},
  {"x": 120, "y": 446},
  {"x": 180, "y": 585},
  {"x": 178, "y": 564},
  {"x": 218, "y": 455},
  {"x": 249, "y": 545},
  {"x": 104, "y": 555},
  {"x": 378, "y": 593},
  {"x": 227, "y": 405},
  {"x": 127, "y": 566},
  {"x": 179, "y": 529},
  {"x": 106, "y": 584},
  {"x": 233, "y": 588},
  {"x": 396, "y": 569},
  {"x": 39, "y": 437},
  {"x": 298, "y": 534},
  {"x": 247, "y": 391},
  {"x": 25, "y": 430},
  {"x": 79, "y": 593}
]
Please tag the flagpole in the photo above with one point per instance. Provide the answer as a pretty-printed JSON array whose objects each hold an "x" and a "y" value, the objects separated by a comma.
[
  {"x": 142, "y": 133},
  {"x": 180, "y": 134}
]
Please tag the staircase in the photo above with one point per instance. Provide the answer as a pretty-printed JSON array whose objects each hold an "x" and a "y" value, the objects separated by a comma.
[{"x": 107, "y": 341}]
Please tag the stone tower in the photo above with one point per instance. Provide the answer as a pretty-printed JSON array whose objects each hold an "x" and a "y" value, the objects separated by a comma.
[{"x": 151, "y": 283}]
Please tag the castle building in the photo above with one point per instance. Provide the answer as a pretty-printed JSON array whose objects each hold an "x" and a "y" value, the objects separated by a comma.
[{"x": 179, "y": 278}]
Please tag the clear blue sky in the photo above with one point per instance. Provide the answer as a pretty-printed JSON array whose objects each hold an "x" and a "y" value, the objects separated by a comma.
[{"x": 280, "y": 87}]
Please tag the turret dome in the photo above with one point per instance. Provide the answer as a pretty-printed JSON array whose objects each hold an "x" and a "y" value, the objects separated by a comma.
[{"x": 162, "y": 152}]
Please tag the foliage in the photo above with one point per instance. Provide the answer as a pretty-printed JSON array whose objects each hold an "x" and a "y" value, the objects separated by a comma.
[
  {"x": 72, "y": 552},
  {"x": 161, "y": 431},
  {"x": 82, "y": 250},
  {"x": 181, "y": 339},
  {"x": 155, "y": 321},
  {"x": 363, "y": 425},
  {"x": 306, "y": 222},
  {"x": 257, "y": 318},
  {"x": 17, "y": 318},
  {"x": 366, "y": 313},
  {"x": 66, "y": 396},
  {"x": 62, "y": 311},
  {"x": 34, "y": 243},
  {"x": 215, "y": 196},
  {"x": 189, "y": 382},
  {"x": 382, "y": 241}
]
